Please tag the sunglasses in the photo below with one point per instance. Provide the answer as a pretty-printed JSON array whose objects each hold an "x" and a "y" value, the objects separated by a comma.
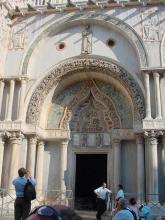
[{"x": 47, "y": 211}]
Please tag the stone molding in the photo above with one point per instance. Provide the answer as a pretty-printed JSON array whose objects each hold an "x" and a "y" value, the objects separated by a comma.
[
  {"x": 139, "y": 139},
  {"x": 82, "y": 18},
  {"x": 152, "y": 71},
  {"x": 156, "y": 124},
  {"x": 33, "y": 131},
  {"x": 85, "y": 64}
]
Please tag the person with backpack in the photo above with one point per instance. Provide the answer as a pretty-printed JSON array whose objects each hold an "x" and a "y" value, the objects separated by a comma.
[
  {"x": 122, "y": 212},
  {"x": 22, "y": 206}
]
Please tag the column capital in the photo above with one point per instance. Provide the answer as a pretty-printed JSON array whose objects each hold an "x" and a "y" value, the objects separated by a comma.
[
  {"x": 33, "y": 139},
  {"x": 40, "y": 143},
  {"x": 2, "y": 137},
  {"x": 156, "y": 75},
  {"x": 139, "y": 139},
  {"x": 116, "y": 141},
  {"x": 15, "y": 137},
  {"x": 152, "y": 136}
]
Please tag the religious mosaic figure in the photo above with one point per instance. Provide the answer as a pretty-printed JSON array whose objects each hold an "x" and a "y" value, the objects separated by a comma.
[{"x": 86, "y": 40}]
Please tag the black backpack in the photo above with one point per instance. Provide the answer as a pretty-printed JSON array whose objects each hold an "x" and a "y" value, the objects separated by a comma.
[
  {"x": 29, "y": 191},
  {"x": 133, "y": 213}
]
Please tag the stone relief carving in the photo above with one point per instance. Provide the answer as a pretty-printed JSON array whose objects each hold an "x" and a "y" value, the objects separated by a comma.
[
  {"x": 72, "y": 66},
  {"x": 152, "y": 135},
  {"x": 151, "y": 30},
  {"x": 86, "y": 40},
  {"x": 18, "y": 36},
  {"x": 93, "y": 111}
]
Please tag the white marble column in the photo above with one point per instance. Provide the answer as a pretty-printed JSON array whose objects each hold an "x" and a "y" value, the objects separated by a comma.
[
  {"x": 157, "y": 95},
  {"x": 140, "y": 167},
  {"x": 31, "y": 157},
  {"x": 116, "y": 163},
  {"x": 147, "y": 97},
  {"x": 10, "y": 101},
  {"x": 22, "y": 97},
  {"x": 1, "y": 154},
  {"x": 152, "y": 166},
  {"x": 39, "y": 165},
  {"x": 2, "y": 84},
  {"x": 63, "y": 164},
  {"x": 15, "y": 142}
]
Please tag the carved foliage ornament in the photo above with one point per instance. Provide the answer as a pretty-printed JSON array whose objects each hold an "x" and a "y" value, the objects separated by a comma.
[{"x": 72, "y": 66}]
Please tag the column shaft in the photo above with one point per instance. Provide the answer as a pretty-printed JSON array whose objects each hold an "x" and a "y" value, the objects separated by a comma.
[
  {"x": 117, "y": 163},
  {"x": 140, "y": 168},
  {"x": 1, "y": 94},
  {"x": 39, "y": 165},
  {"x": 21, "y": 101},
  {"x": 1, "y": 155},
  {"x": 153, "y": 169},
  {"x": 147, "y": 98},
  {"x": 15, "y": 142},
  {"x": 157, "y": 96},
  {"x": 10, "y": 101},
  {"x": 63, "y": 165},
  {"x": 31, "y": 154}
]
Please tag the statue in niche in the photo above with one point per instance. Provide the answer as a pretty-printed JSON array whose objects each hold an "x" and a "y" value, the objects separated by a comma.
[{"x": 86, "y": 40}]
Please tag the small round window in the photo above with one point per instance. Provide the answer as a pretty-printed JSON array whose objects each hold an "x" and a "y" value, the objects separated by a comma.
[
  {"x": 110, "y": 43},
  {"x": 60, "y": 46}
]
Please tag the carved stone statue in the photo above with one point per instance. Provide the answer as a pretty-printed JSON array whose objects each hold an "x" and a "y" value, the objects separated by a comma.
[{"x": 86, "y": 40}]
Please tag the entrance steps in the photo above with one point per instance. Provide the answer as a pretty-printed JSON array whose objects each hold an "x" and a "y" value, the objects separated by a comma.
[{"x": 91, "y": 215}]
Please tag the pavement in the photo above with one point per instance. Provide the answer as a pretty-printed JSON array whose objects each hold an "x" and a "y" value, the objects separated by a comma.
[{"x": 7, "y": 218}]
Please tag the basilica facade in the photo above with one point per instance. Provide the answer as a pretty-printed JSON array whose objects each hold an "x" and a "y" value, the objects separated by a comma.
[{"x": 82, "y": 95}]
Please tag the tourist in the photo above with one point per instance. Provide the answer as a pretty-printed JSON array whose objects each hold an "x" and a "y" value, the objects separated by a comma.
[
  {"x": 122, "y": 213},
  {"x": 53, "y": 213},
  {"x": 133, "y": 206},
  {"x": 120, "y": 193},
  {"x": 101, "y": 193},
  {"x": 21, "y": 206},
  {"x": 145, "y": 212}
]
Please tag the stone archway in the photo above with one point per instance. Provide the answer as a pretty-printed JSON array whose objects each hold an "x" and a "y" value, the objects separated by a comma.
[
  {"x": 90, "y": 18},
  {"x": 86, "y": 64}
]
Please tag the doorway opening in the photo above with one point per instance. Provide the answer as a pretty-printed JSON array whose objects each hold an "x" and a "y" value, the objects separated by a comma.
[{"x": 91, "y": 171}]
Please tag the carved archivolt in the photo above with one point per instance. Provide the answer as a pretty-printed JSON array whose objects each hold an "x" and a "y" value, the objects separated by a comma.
[
  {"x": 96, "y": 111},
  {"x": 91, "y": 17},
  {"x": 85, "y": 64}
]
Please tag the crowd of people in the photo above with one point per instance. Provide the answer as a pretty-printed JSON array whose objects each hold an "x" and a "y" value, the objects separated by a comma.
[{"x": 123, "y": 210}]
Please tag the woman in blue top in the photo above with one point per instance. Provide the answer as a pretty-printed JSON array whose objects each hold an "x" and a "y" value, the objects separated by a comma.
[{"x": 21, "y": 206}]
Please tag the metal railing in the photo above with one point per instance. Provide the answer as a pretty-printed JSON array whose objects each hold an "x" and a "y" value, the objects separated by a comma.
[{"x": 49, "y": 197}]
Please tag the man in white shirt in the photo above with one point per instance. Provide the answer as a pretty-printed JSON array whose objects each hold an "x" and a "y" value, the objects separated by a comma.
[{"x": 101, "y": 193}]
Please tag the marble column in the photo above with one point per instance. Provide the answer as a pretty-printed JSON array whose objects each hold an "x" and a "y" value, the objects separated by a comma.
[
  {"x": 157, "y": 95},
  {"x": 15, "y": 142},
  {"x": 22, "y": 97},
  {"x": 31, "y": 157},
  {"x": 63, "y": 164},
  {"x": 152, "y": 166},
  {"x": 10, "y": 101},
  {"x": 147, "y": 98},
  {"x": 2, "y": 84},
  {"x": 140, "y": 167},
  {"x": 117, "y": 163},
  {"x": 1, "y": 154},
  {"x": 39, "y": 165}
]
